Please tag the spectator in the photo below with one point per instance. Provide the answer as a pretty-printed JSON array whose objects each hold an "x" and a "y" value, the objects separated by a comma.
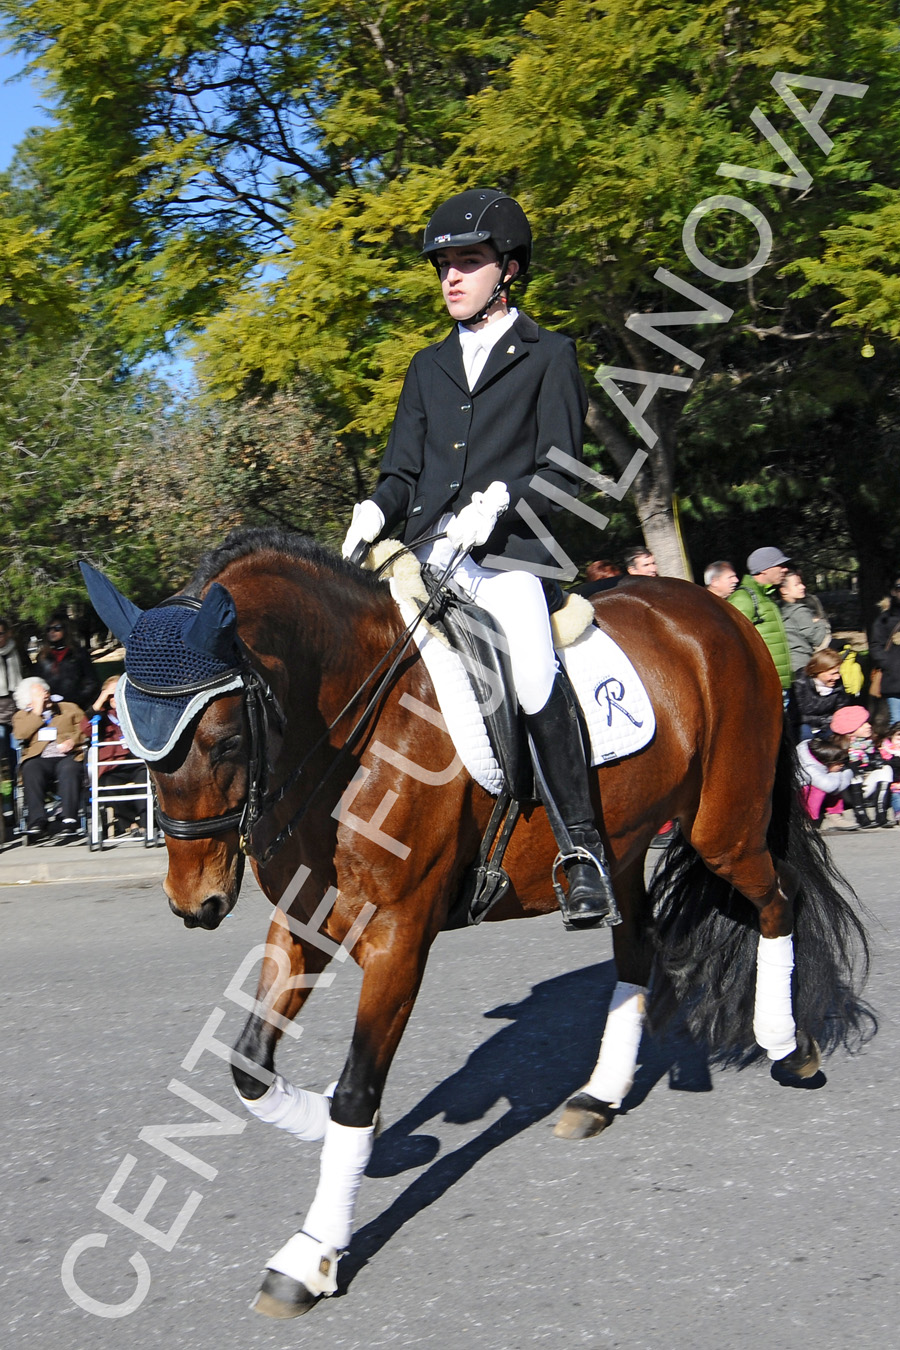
[
  {"x": 872, "y": 777},
  {"x": 824, "y": 765},
  {"x": 890, "y": 753},
  {"x": 766, "y": 569},
  {"x": 10, "y": 676},
  {"x": 66, "y": 667},
  {"x": 818, "y": 692},
  {"x": 720, "y": 578},
  {"x": 806, "y": 630},
  {"x": 49, "y": 734},
  {"x": 640, "y": 562},
  {"x": 601, "y": 575},
  {"x": 884, "y": 649},
  {"x": 128, "y": 815}
]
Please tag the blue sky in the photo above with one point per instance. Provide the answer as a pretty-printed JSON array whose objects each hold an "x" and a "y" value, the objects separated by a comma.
[{"x": 19, "y": 107}]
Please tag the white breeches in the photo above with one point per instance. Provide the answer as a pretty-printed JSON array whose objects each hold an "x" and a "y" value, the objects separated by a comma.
[{"x": 516, "y": 600}]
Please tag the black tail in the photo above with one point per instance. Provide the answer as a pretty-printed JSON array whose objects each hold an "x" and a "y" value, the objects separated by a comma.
[{"x": 707, "y": 936}]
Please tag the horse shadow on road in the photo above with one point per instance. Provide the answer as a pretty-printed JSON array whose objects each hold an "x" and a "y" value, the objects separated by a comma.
[{"x": 535, "y": 1063}]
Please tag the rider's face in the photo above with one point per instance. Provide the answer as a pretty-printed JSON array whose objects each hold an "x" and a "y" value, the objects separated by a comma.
[{"x": 468, "y": 277}]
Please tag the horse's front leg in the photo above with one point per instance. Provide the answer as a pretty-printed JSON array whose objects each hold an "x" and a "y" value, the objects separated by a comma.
[
  {"x": 594, "y": 1108},
  {"x": 392, "y": 956},
  {"x": 290, "y": 970}
]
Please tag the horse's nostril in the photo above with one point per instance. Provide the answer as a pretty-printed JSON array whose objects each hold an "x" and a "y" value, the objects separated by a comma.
[
  {"x": 213, "y": 910},
  {"x": 210, "y": 914}
]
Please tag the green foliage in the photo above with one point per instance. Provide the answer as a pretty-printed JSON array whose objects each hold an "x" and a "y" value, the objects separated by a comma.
[
  {"x": 258, "y": 173},
  {"x": 211, "y": 468},
  {"x": 66, "y": 421},
  {"x": 187, "y": 132}
]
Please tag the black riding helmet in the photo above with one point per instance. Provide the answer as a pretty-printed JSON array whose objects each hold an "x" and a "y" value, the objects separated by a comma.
[{"x": 481, "y": 216}]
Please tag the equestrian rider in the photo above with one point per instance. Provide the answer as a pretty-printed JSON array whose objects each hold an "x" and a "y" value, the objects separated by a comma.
[{"x": 477, "y": 416}]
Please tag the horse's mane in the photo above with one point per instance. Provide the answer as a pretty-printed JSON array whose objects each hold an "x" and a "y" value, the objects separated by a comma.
[{"x": 242, "y": 543}]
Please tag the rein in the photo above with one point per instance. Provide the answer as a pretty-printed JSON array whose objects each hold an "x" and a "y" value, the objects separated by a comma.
[{"x": 258, "y": 700}]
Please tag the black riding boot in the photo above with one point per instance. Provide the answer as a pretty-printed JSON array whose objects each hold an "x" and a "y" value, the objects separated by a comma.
[
  {"x": 855, "y": 794},
  {"x": 562, "y": 776},
  {"x": 882, "y": 798}
]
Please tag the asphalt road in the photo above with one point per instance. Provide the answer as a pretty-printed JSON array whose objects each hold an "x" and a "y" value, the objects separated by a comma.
[{"x": 720, "y": 1211}]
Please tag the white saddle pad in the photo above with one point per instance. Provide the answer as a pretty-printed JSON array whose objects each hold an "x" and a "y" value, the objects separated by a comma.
[{"x": 616, "y": 708}]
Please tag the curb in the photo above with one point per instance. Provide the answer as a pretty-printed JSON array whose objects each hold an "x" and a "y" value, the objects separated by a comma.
[{"x": 21, "y": 866}]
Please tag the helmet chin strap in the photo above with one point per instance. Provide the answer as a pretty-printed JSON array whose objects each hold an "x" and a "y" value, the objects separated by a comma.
[{"x": 495, "y": 294}]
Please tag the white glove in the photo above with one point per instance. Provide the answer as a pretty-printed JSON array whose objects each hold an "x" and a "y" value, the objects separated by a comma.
[
  {"x": 475, "y": 522},
  {"x": 366, "y": 525}
]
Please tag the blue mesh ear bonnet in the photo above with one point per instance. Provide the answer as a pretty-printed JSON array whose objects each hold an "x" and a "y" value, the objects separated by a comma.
[{"x": 167, "y": 679}]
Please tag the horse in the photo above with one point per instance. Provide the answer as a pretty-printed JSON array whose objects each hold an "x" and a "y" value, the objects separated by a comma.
[{"x": 365, "y": 836}]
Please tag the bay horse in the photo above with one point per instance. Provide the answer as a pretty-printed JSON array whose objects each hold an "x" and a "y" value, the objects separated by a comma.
[{"x": 365, "y": 848}]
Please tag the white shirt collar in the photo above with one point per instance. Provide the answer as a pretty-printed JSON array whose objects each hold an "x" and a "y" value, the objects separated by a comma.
[{"x": 478, "y": 344}]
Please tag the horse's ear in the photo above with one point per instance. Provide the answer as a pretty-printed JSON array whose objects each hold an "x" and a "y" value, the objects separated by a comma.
[
  {"x": 117, "y": 612},
  {"x": 213, "y": 628}
]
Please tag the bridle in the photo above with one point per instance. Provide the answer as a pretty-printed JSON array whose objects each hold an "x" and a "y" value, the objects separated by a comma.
[{"x": 261, "y": 704}]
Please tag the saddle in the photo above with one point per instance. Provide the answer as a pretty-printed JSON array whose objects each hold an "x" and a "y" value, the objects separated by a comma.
[
  {"x": 464, "y": 649},
  {"x": 476, "y": 636}
]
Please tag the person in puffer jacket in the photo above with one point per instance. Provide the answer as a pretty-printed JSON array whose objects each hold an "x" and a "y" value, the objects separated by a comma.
[
  {"x": 825, "y": 766},
  {"x": 766, "y": 569}
]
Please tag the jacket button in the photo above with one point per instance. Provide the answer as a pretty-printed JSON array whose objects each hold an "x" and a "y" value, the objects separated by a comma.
[
  {"x": 465, "y": 407},
  {"x": 453, "y": 486},
  {"x": 459, "y": 445}
]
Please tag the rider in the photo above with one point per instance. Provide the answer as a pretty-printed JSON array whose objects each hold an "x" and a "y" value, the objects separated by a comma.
[{"x": 477, "y": 416}]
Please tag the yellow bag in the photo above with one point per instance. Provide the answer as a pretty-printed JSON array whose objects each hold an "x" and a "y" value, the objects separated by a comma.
[{"x": 852, "y": 676}]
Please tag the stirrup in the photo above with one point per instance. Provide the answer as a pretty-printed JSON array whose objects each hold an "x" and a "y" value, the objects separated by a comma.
[{"x": 575, "y": 923}]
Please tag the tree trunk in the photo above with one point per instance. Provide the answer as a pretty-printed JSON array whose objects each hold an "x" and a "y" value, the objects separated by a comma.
[
  {"x": 652, "y": 488},
  {"x": 658, "y": 527}
]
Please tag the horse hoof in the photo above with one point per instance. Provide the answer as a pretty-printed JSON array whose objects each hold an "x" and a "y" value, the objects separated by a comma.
[
  {"x": 584, "y": 1117},
  {"x": 281, "y": 1296},
  {"x": 804, "y": 1062}
]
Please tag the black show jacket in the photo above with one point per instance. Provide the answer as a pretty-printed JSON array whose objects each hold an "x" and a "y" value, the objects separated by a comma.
[{"x": 447, "y": 443}]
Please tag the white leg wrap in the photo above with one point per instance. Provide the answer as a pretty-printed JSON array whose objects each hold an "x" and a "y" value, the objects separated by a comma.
[
  {"x": 614, "y": 1073},
  {"x": 773, "y": 1013},
  {"x": 304, "y": 1114},
  {"x": 311, "y": 1256},
  {"x": 312, "y": 1263}
]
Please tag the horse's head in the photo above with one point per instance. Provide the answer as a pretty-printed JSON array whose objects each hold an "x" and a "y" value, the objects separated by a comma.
[
  {"x": 201, "y": 791},
  {"x": 186, "y": 702}
]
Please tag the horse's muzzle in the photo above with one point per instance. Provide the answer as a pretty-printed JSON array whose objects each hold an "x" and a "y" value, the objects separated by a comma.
[{"x": 210, "y": 914}]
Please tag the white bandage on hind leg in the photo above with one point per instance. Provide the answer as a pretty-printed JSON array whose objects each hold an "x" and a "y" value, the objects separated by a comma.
[
  {"x": 614, "y": 1073},
  {"x": 301, "y": 1113},
  {"x": 773, "y": 1012}
]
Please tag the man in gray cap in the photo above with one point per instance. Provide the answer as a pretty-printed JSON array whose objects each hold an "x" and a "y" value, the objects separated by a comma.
[{"x": 766, "y": 569}]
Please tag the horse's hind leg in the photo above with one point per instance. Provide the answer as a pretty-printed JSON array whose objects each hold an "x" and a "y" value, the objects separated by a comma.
[
  {"x": 290, "y": 969},
  {"x": 751, "y": 870},
  {"x": 593, "y": 1108}
]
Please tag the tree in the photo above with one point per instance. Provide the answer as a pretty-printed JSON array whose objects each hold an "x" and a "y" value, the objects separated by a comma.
[
  {"x": 66, "y": 421},
  {"x": 213, "y": 467},
  {"x": 258, "y": 173}
]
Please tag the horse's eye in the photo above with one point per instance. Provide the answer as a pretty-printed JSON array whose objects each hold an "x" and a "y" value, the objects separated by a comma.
[{"x": 227, "y": 749}]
